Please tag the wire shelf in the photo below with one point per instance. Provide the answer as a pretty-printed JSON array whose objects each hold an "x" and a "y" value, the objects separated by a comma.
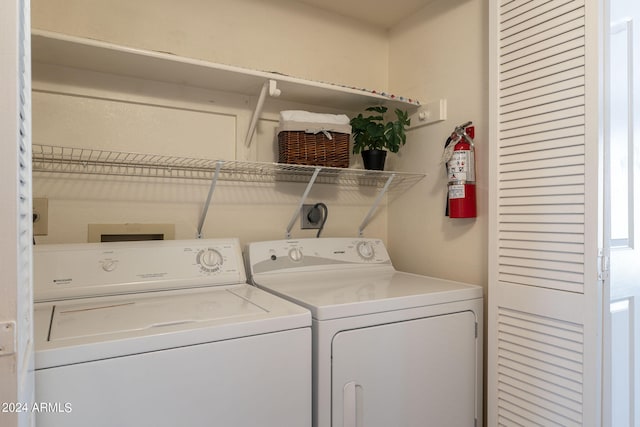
[{"x": 69, "y": 160}]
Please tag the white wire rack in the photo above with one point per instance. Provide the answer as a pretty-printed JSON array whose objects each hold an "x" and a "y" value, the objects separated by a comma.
[
  {"x": 57, "y": 159},
  {"x": 68, "y": 160}
]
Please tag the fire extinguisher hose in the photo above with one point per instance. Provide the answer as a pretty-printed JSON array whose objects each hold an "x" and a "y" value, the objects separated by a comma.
[{"x": 446, "y": 204}]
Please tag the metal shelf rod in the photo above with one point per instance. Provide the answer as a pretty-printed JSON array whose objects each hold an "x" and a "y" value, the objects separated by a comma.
[
  {"x": 376, "y": 202},
  {"x": 205, "y": 209}
]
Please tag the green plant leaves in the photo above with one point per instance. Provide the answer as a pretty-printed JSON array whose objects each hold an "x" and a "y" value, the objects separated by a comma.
[{"x": 372, "y": 133}]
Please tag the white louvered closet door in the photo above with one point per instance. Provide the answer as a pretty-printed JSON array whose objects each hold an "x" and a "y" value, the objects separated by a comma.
[
  {"x": 544, "y": 342},
  {"x": 16, "y": 301}
]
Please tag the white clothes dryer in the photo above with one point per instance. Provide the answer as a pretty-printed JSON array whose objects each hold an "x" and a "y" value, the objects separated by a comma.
[
  {"x": 165, "y": 333},
  {"x": 389, "y": 348}
]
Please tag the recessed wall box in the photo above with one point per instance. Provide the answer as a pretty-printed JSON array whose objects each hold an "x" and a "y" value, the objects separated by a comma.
[{"x": 130, "y": 232}]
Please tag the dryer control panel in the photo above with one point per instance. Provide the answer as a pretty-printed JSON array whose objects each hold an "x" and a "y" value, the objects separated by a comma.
[
  {"x": 316, "y": 254},
  {"x": 90, "y": 269}
]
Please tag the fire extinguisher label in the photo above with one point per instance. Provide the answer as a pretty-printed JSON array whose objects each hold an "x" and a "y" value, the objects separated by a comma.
[
  {"x": 461, "y": 166},
  {"x": 456, "y": 191}
]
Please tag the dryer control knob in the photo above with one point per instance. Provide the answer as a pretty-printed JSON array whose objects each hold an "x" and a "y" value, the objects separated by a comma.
[
  {"x": 210, "y": 260},
  {"x": 365, "y": 250},
  {"x": 295, "y": 254},
  {"x": 109, "y": 265}
]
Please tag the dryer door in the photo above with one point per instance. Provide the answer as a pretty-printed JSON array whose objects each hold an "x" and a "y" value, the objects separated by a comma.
[{"x": 413, "y": 373}]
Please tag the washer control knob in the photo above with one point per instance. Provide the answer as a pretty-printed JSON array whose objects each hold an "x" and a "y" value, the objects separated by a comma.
[
  {"x": 365, "y": 250},
  {"x": 295, "y": 254},
  {"x": 209, "y": 260},
  {"x": 109, "y": 265}
]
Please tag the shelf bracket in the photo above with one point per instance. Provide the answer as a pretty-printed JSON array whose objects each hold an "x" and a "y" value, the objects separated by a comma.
[
  {"x": 431, "y": 112},
  {"x": 376, "y": 202},
  {"x": 205, "y": 209},
  {"x": 269, "y": 87},
  {"x": 302, "y": 200}
]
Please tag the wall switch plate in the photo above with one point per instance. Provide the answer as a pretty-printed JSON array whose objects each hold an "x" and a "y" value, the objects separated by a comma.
[
  {"x": 7, "y": 338},
  {"x": 305, "y": 224},
  {"x": 40, "y": 216}
]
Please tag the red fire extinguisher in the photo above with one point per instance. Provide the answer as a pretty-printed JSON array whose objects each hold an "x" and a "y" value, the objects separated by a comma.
[{"x": 459, "y": 156}]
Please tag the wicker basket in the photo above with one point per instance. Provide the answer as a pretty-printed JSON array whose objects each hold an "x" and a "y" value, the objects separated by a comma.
[{"x": 302, "y": 148}]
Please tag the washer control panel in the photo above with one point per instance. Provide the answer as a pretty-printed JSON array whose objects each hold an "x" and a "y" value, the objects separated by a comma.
[
  {"x": 74, "y": 270},
  {"x": 316, "y": 254}
]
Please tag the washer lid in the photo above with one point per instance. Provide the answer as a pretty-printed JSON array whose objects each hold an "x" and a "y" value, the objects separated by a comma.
[
  {"x": 75, "y": 331},
  {"x": 134, "y": 314},
  {"x": 352, "y": 293}
]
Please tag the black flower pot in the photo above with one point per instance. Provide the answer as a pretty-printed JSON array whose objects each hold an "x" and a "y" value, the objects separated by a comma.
[{"x": 374, "y": 159}]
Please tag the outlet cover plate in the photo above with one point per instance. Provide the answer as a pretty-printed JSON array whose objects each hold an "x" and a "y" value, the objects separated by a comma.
[
  {"x": 305, "y": 224},
  {"x": 41, "y": 213}
]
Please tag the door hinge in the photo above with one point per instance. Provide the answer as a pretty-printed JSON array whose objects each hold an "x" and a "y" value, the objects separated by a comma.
[
  {"x": 7, "y": 338},
  {"x": 603, "y": 265}
]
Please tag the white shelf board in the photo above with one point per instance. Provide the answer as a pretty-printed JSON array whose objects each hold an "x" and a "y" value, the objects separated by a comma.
[{"x": 75, "y": 52}]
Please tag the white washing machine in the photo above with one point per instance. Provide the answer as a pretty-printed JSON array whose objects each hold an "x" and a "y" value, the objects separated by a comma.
[
  {"x": 165, "y": 333},
  {"x": 389, "y": 348}
]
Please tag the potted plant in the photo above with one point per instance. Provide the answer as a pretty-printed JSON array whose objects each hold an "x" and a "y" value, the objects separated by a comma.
[{"x": 372, "y": 136}]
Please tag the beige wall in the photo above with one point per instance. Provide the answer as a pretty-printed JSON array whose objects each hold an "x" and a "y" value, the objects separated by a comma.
[
  {"x": 85, "y": 109},
  {"x": 168, "y": 120},
  {"x": 446, "y": 47},
  {"x": 441, "y": 52},
  {"x": 275, "y": 35},
  {"x": 422, "y": 57}
]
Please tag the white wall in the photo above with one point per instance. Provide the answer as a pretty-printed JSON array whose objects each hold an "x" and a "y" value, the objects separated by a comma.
[
  {"x": 85, "y": 109},
  {"x": 441, "y": 52}
]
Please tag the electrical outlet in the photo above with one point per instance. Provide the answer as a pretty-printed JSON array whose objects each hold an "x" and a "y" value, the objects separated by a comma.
[
  {"x": 305, "y": 224},
  {"x": 40, "y": 216}
]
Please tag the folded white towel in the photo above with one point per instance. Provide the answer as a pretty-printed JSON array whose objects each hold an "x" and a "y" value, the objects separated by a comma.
[
  {"x": 326, "y": 129},
  {"x": 307, "y": 117}
]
